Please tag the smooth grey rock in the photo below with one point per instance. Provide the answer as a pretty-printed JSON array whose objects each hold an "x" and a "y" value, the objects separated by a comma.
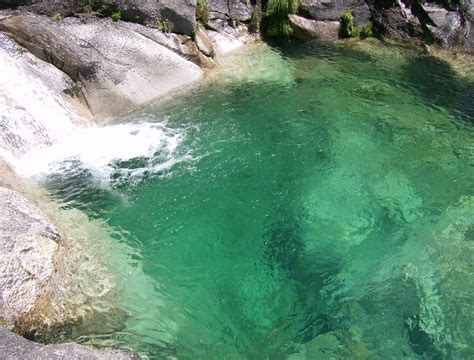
[
  {"x": 203, "y": 42},
  {"x": 331, "y": 10},
  {"x": 28, "y": 243},
  {"x": 119, "y": 68},
  {"x": 14, "y": 347},
  {"x": 180, "y": 44},
  {"x": 306, "y": 28}
]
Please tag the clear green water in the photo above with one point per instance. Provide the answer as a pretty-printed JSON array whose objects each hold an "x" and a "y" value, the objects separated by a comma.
[{"x": 323, "y": 209}]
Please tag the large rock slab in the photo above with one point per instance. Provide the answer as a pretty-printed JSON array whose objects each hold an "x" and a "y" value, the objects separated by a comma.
[
  {"x": 197, "y": 51},
  {"x": 119, "y": 68},
  {"x": 14, "y": 347},
  {"x": 28, "y": 243},
  {"x": 180, "y": 13}
]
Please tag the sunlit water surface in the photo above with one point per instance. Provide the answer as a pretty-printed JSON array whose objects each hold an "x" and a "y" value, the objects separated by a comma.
[{"x": 307, "y": 202}]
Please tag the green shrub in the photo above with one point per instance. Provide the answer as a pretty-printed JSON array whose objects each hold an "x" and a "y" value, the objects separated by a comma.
[
  {"x": 277, "y": 15},
  {"x": 88, "y": 9},
  {"x": 57, "y": 17},
  {"x": 202, "y": 11},
  {"x": 367, "y": 30},
  {"x": 116, "y": 16},
  {"x": 347, "y": 24},
  {"x": 164, "y": 25}
]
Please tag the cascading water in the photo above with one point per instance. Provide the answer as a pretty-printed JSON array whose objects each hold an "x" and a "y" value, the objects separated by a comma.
[
  {"x": 34, "y": 111},
  {"x": 41, "y": 128}
]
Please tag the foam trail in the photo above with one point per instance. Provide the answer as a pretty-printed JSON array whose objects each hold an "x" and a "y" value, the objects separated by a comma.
[{"x": 101, "y": 149}]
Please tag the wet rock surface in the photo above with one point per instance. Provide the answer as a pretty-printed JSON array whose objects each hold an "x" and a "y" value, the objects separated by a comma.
[{"x": 14, "y": 347}]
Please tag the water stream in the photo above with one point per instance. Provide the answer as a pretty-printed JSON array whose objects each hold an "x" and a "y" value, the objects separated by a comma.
[{"x": 310, "y": 201}]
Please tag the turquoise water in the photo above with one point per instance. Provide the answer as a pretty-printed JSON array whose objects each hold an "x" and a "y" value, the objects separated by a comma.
[{"x": 318, "y": 204}]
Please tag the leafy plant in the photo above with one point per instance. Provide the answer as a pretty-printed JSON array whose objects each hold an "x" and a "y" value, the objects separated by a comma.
[
  {"x": 88, "y": 9},
  {"x": 277, "y": 14},
  {"x": 73, "y": 91},
  {"x": 57, "y": 17},
  {"x": 116, "y": 16},
  {"x": 164, "y": 25},
  {"x": 367, "y": 30},
  {"x": 347, "y": 24},
  {"x": 202, "y": 11},
  {"x": 256, "y": 16}
]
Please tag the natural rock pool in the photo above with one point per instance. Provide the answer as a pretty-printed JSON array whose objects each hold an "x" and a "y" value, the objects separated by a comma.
[{"x": 311, "y": 201}]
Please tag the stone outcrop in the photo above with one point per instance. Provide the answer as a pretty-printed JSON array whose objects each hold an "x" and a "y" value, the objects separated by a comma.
[
  {"x": 233, "y": 10},
  {"x": 449, "y": 28},
  {"x": 119, "y": 68},
  {"x": 180, "y": 14},
  {"x": 14, "y": 347}
]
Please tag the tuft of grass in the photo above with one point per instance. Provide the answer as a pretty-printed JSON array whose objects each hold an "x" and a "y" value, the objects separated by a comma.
[
  {"x": 87, "y": 9},
  {"x": 256, "y": 17},
  {"x": 164, "y": 26},
  {"x": 57, "y": 17},
  {"x": 202, "y": 11},
  {"x": 73, "y": 91},
  {"x": 367, "y": 30},
  {"x": 116, "y": 16}
]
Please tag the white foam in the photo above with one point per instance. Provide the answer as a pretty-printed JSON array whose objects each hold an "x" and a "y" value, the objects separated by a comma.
[{"x": 98, "y": 149}]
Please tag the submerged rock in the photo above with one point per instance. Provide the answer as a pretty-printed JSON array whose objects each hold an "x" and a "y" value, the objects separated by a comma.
[
  {"x": 13, "y": 347},
  {"x": 120, "y": 69}
]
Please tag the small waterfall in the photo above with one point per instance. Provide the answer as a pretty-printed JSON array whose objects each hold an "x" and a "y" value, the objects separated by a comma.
[
  {"x": 42, "y": 130},
  {"x": 34, "y": 111}
]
